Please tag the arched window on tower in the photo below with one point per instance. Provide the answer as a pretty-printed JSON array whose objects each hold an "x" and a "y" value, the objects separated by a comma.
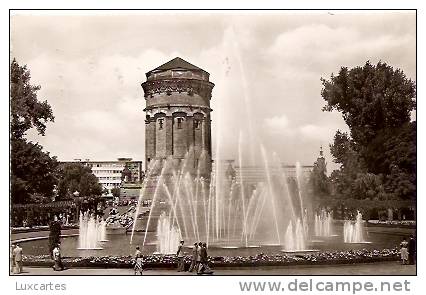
[
  {"x": 160, "y": 123},
  {"x": 179, "y": 121},
  {"x": 197, "y": 124}
]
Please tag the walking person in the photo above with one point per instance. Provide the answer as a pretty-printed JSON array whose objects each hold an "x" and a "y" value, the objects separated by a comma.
[
  {"x": 404, "y": 251},
  {"x": 58, "y": 266},
  {"x": 198, "y": 265},
  {"x": 18, "y": 258},
  {"x": 205, "y": 260},
  {"x": 411, "y": 250},
  {"x": 12, "y": 259},
  {"x": 194, "y": 258},
  {"x": 179, "y": 254},
  {"x": 138, "y": 261}
]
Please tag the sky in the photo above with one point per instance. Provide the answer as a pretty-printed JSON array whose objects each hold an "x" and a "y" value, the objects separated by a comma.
[{"x": 266, "y": 67}]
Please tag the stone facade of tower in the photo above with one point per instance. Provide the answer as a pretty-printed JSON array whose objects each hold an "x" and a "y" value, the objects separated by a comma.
[{"x": 178, "y": 124}]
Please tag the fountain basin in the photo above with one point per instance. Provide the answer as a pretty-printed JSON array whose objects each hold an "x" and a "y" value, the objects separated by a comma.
[
  {"x": 300, "y": 251},
  {"x": 162, "y": 254},
  {"x": 115, "y": 230},
  {"x": 120, "y": 245}
]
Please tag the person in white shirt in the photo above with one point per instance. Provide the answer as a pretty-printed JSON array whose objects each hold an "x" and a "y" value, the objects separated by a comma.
[
  {"x": 180, "y": 256},
  {"x": 58, "y": 266},
  {"x": 138, "y": 261},
  {"x": 18, "y": 258}
]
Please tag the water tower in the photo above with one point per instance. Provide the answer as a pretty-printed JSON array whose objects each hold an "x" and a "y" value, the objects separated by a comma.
[{"x": 178, "y": 123}]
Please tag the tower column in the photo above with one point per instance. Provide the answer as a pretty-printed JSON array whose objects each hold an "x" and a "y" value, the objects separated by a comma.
[
  {"x": 149, "y": 140},
  {"x": 190, "y": 132},
  {"x": 169, "y": 136}
]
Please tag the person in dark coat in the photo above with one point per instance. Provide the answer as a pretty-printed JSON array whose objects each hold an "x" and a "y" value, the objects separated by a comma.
[
  {"x": 198, "y": 262},
  {"x": 204, "y": 266},
  {"x": 194, "y": 258},
  {"x": 411, "y": 250}
]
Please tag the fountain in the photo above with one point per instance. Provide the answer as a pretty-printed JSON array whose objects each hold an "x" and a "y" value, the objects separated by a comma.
[
  {"x": 221, "y": 210},
  {"x": 102, "y": 235},
  {"x": 323, "y": 224},
  {"x": 91, "y": 232},
  {"x": 168, "y": 235},
  {"x": 205, "y": 203},
  {"x": 353, "y": 232},
  {"x": 295, "y": 238}
]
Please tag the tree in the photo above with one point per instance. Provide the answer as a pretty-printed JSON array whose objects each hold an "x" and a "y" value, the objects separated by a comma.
[
  {"x": 394, "y": 146},
  {"x": 27, "y": 111},
  {"x": 32, "y": 169},
  {"x": 371, "y": 99},
  {"x": 77, "y": 177},
  {"x": 343, "y": 151},
  {"x": 351, "y": 165},
  {"x": 115, "y": 192},
  {"x": 378, "y": 157}
]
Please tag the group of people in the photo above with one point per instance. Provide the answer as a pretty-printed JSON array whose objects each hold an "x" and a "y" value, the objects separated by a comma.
[
  {"x": 408, "y": 250},
  {"x": 17, "y": 264},
  {"x": 16, "y": 259},
  {"x": 199, "y": 259}
]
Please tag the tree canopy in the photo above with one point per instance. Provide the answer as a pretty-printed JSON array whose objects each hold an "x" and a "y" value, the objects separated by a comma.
[
  {"x": 32, "y": 169},
  {"x": 371, "y": 98},
  {"x": 27, "y": 110},
  {"x": 77, "y": 177},
  {"x": 115, "y": 192},
  {"x": 378, "y": 156}
]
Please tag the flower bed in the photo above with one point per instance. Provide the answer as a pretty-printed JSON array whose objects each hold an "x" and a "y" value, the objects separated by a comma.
[{"x": 170, "y": 261}]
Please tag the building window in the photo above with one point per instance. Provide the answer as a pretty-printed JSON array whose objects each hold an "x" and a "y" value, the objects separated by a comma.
[
  {"x": 179, "y": 121},
  {"x": 197, "y": 124},
  {"x": 160, "y": 123}
]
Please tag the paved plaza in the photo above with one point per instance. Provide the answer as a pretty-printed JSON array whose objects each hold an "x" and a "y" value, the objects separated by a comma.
[{"x": 383, "y": 268}]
